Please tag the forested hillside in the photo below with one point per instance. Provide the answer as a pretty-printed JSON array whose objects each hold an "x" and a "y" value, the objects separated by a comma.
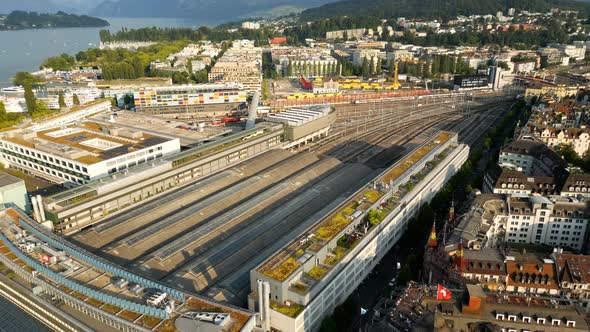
[{"x": 434, "y": 9}]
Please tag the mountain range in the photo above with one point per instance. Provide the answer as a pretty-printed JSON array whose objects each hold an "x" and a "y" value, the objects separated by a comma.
[{"x": 198, "y": 9}]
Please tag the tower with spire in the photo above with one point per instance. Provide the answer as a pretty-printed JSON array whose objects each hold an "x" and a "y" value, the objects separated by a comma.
[
  {"x": 432, "y": 240},
  {"x": 459, "y": 259}
]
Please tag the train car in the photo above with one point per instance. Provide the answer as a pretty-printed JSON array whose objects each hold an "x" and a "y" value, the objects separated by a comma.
[{"x": 227, "y": 120}]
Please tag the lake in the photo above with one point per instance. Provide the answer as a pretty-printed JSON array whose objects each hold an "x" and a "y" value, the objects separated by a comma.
[{"x": 25, "y": 50}]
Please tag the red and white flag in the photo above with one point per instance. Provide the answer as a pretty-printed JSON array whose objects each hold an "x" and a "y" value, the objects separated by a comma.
[
  {"x": 443, "y": 293},
  {"x": 45, "y": 259}
]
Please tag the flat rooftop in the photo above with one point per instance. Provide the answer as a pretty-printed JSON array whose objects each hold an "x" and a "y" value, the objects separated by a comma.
[
  {"x": 289, "y": 258},
  {"x": 87, "y": 142},
  {"x": 189, "y": 133},
  {"x": 192, "y": 88},
  {"x": 299, "y": 116},
  {"x": 104, "y": 281},
  {"x": 179, "y": 159},
  {"x": 7, "y": 180}
]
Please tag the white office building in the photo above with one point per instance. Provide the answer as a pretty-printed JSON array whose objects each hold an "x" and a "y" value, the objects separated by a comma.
[
  {"x": 539, "y": 220},
  {"x": 80, "y": 153}
]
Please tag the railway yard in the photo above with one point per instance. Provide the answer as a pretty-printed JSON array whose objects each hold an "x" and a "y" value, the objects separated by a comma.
[{"x": 206, "y": 236}]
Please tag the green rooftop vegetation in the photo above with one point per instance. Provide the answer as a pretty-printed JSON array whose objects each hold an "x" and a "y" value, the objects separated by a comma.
[
  {"x": 415, "y": 157},
  {"x": 282, "y": 271},
  {"x": 317, "y": 272},
  {"x": 376, "y": 216},
  {"x": 372, "y": 196},
  {"x": 332, "y": 227},
  {"x": 291, "y": 310},
  {"x": 350, "y": 208}
]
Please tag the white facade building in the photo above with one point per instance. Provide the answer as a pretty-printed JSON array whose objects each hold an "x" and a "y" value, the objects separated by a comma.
[
  {"x": 539, "y": 220},
  {"x": 75, "y": 114},
  {"x": 81, "y": 153},
  {"x": 524, "y": 67}
]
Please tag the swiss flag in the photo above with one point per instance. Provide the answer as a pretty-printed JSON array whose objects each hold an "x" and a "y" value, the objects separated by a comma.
[{"x": 443, "y": 293}]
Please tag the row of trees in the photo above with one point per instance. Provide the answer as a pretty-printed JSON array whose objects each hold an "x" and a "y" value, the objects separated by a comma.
[
  {"x": 552, "y": 33},
  {"x": 296, "y": 68},
  {"x": 155, "y": 34},
  {"x": 435, "y": 66}
]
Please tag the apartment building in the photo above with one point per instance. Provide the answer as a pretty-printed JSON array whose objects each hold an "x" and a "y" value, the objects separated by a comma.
[
  {"x": 573, "y": 276},
  {"x": 77, "y": 154},
  {"x": 577, "y": 138},
  {"x": 307, "y": 61},
  {"x": 359, "y": 55},
  {"x": 576, "y": 185},
  {"x": 239, "y": 65},
  {"x": 485, "y": 267},
  {"x": 478, "y": 311},
  {"x": 577, "y": 51},
  {"x": 555, "y": 222},
  {"x": 508, "y": 179},
  {"x": 530, "y": 273},
  {"x": 532, "y": 156},
  {"x": 525, "y": 67}
]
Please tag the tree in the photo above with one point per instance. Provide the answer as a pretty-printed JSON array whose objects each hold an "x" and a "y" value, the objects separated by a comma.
[
  {"x": 328, "y": 325},
  {"x": 30, "y": 97},
  {"x": 140, "y": 72},
  {"x": 76, "y": 100},
  {"x": 290, "y": 69},
  {"x": 61, "y": 100},
  {"x": 375, "y": 216},
  {"x": 2, "y": 111},
  {"x": 379, "y": 65},
  {"x": 365, "y": 68},
  {"x": 405, "y": 275},
  {"x": 41, "y": 109},
  {"x": 372, "y": 66},
  {"x": 23, "y": 77},
  {"x": 201, "y": 76},
  {"x": 127, "y": 100},
  {"x": 569, "y": 154}
]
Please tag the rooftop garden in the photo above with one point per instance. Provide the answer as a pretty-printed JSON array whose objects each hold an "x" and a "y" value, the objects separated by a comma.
[
  {"x": 372, "y": 196},
  {"x": 284, "y": 269},
  {"x": 415, "y": 157},
  {"x": 291, "y": 310},
  {"x": 317, "y": 272},
  {"x": 332, "y": 227}
]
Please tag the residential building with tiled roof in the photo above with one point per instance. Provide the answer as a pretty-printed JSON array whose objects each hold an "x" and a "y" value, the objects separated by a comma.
[
  {"x": 530, "y": 273},
  {"x": 573, "y": 276}
]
